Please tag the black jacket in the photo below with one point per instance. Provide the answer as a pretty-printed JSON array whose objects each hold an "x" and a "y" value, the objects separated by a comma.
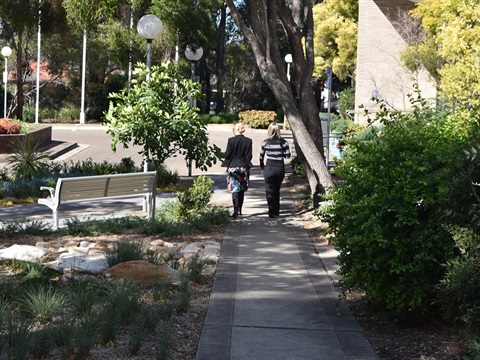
[{"x": 239, "y": 152}]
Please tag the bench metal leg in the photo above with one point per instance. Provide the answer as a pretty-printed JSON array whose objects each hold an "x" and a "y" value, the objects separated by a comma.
[{"x": 55, "y": 220}]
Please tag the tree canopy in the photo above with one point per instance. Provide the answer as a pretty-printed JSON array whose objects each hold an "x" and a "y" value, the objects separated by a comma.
[
  {"x": 452, "y": 32},
  {"x": 336, "y": 38}
]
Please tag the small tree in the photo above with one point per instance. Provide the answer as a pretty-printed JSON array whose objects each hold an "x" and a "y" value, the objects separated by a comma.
[{"x": 156, "y": 115}]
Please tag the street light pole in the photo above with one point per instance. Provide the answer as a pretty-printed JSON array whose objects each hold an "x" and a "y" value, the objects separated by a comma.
[
  {"x": 6, "y": 52},
  {"x": 149, "y": 27},
  {"x": 288, "y": 60},
  {"x": 84, "y": 69},
  {"x": 39, "y": 37},
  {"x": 193, "y": 56}
]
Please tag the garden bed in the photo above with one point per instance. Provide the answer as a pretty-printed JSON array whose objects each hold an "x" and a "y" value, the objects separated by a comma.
[{"x": 42, "y": 136}]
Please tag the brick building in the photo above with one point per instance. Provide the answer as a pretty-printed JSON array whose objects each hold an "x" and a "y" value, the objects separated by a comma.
[{"x": 379, "y": 70}]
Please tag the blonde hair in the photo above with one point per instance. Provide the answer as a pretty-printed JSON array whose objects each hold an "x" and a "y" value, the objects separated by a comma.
[
  {"x": 238, "y": 127},
  {"x": 273, "y": 129}
]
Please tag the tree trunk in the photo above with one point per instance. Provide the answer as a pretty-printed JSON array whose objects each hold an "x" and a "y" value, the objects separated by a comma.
[
  {"x": 19, "y": 76},
  {"x": 299, "y": 106}
]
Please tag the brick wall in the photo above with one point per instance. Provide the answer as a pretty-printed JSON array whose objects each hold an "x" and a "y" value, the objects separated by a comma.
[
  {"x": 379, "y": 70},
  {"x": 42, "y": 136}
]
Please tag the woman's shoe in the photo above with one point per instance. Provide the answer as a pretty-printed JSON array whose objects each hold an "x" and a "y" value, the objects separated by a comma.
[{"x": 234, "y": 215}]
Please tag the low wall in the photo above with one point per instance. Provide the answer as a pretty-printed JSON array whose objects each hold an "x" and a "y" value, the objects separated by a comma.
[{"x": 43, "y": 136}]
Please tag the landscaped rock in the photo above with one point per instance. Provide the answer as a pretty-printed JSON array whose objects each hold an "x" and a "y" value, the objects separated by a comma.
[
  {"x": 23, "y": 252},
  {"x": 158, "y": 242},
  {"x": 143, "y": 272},
  {"x": 86, "y": 244},
  {"x": 101, "y": 246},
  {"x": 42, "y": 244},
  {"x": 83, "y": 263}
]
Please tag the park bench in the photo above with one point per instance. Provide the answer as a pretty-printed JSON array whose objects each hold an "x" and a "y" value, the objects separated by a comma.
[{"x": 99, "y": 187}]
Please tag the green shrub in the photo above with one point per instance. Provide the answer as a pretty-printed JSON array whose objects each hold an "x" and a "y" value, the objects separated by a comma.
[
  {"x": 43, "y": 303},
  {"x": 195, "y": 198},
  {"x": 257, "y": 119},
  {"x": 458, "y": 291},
  {"x": 85, "y": 337},
  {"x": 97, "y": 227},
  {"x": 69, "y": 112},
  {"x": 27, "y": 162},
  {"x": 346, "y": 102},
  {"x": 166, "y": 177},
  {"x": 220, "y": 118},
  {"x": 402, "y": 180},
  {"x": 16, "y": 339},
  {"x": 124, "y": 297},
  {"x": 82, "y": 296},
  {"x": 29, "y": 113},
  {"x": 42, "y": 341},
  {"x": 33, "y": 227},
  {"x": 89, "y": 167},
  {"x": 297, "y": 167},
  {"x": 340, "y": 124},
  {"x": 126, "y": 251},
  {"x": 164, "y": 347},
  {"x": 64, "y": 337}
]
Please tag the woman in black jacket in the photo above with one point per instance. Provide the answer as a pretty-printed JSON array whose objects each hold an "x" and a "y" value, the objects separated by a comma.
[
  {"x": 238, "y": 157},
  {"x": 274, "y": 150}
]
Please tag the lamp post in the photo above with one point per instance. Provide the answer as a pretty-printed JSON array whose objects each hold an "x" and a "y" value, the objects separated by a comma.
[
  {"x": 6, "y": 52},
  {"x": 39, "y": 40},
  {"x": 193, "y": 56},
  {"x": 328, "y": 86},
  {"x": 149, "y": 27},
  {"x": 288, "y": 60},
  {"x": 84, "y": 70}
]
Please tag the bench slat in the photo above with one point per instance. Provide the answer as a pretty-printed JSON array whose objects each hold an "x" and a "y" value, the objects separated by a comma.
[{"x": 94, "y": 187}]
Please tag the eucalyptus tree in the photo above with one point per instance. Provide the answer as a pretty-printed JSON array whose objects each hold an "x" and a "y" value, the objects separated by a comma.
[{"x": 260, "y": 24}]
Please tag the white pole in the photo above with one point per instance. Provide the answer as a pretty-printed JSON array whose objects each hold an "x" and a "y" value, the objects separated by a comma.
[
  {"x": 149, "y": 68},
  {"x": 131, "y": 48},
  {"x": 329, "y": 115},
  {"x": 5, "y": 79},
  {"x": 39, "y": 39},
  {"x": 84, "y": 65}
]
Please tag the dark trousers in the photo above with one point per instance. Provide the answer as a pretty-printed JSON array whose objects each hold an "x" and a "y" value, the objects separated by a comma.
[
  {"x": 274, "y": 176},
  {"x": 237, "y": 199}
]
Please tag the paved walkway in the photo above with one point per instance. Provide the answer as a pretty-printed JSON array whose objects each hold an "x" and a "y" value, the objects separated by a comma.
[{"x": 273, "y": 296}]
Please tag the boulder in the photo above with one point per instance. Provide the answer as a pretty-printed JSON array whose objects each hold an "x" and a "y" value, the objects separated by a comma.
[
  {"x": 143, "y": 272},
  {"x": 23, "y": 252},
  {"x": 91, "y": 264}
]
